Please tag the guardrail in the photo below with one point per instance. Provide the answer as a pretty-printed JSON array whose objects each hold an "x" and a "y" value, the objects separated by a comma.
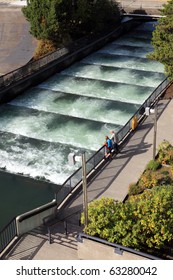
[
  {"x": 118, "y": 249},
  {"x": 92, "y": 163},
  {"x": 30, "y": 68},
  {"x": 24, "y": 223},
  {"x": 12, "y": 229},
  {"x": 7, "y": 234},
  {"x": 55, "y": 57}
]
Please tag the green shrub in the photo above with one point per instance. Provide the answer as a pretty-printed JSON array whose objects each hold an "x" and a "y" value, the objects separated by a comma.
[
  {"x": 148, "y": 180},
  {"x": 135, "y": 189},
  {"x": 153, "y": 165},
  {"x": 143, "y": 220},
  {"x": 165, "y": 180},
  {"x": 165, "y": 152},
  {"x": 164, "y": 172}
]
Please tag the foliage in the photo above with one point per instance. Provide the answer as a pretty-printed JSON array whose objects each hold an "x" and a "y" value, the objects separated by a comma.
[
  {"x": 153, "y": 165},
  {"x": 148, "y": 180},
  {"x": 43, "y": 18},
  {"x": 44, "y": 47},
  {"x": 135, "y": 189},
  {"x": 102, "y": 220},
  {"x": 54, "y": 19},
  {"x": 163, "y": 38},
  {"x": 165, "y": 153},
  {"x": 143, "y": 220}
]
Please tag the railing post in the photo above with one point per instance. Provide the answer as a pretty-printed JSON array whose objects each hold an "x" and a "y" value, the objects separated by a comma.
[
  {"x": 155, "y": 132},
  {"x": 65, "y": 227},
  {"x": 49, "y": 235}
]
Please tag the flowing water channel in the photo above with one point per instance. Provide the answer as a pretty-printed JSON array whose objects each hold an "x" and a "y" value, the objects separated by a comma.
[{"x": 74, "y": 109}]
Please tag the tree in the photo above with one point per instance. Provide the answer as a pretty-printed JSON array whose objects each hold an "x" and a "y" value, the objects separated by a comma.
[
  {"x": 43, "y": 19},
  {"x": 162, "y": 39},
  {"x": 55, "y": 19}
]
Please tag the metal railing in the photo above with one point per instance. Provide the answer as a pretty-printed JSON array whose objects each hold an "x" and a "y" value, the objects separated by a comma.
[
  {"x": 30, "y": 68},
  {"x": 55, "y": 57},
  {"x": 92, "y": 163},
  {"x": 118, "y": 249},
  {"x": 124, "y": 131},
  {"x": 8, "y": 233}
]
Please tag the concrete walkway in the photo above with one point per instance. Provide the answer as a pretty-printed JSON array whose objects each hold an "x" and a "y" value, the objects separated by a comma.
[
  {"x": 112, "y": 181},
  {"x": 17, "y": 46}
]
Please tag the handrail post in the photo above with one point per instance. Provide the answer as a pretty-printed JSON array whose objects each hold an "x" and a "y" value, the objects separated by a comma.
[
  {"x": 49, "y": 235},
  {"x": 65, "y": 227},
  {"x": 155, "y": 132},
  {"x": 85, "y": 196}
]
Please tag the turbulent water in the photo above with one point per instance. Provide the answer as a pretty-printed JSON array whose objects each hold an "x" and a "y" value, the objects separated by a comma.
[{"x": 75, "y": 109}]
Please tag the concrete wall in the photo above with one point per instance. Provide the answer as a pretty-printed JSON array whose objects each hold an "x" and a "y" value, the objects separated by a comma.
[
  {"x": 35, "y": 217},
  {"x": 91, "y": 250}
]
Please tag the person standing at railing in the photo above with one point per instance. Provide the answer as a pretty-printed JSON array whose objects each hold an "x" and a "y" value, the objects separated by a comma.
[
  {"x": 108, "y": 146},
  {"x": 114, "y": 140}
]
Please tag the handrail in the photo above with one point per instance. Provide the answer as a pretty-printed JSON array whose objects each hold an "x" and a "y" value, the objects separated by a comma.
[
  {"x": 121, "y": 135},
  {"x": 6, "y": 239},
  {"x": 36, "y": 211},
  {"x": 118, "y": 248},
  {"x": 53, "y": 57},
  {"x": 7, "y": 234}
]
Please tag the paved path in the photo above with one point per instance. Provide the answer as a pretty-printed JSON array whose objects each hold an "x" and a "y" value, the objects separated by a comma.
[
  {"x": 113, "y": 181},
  {"x": 16, "y": 43}
]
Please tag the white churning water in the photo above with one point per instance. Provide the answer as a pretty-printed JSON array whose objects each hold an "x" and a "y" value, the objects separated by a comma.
[{"x": 75, "y": 109}]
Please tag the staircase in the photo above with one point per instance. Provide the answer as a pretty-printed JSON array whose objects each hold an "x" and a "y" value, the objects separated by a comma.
[{"x": 62, "y": 242}]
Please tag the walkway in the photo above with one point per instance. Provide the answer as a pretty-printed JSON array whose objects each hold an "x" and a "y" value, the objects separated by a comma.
[
  {"x": 16, "y": 43},
  {"x": 112, "y": 181}
]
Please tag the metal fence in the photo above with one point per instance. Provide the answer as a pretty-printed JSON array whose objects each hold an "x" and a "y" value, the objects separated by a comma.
[
  {"x": 30, "y": 68},
  {"x": 7, "y": 234},
  {"x": 123, "y": 132},
  {"x": 118, "y": 249},
  {"x": 34, "y": 66},
  {"x": 76, "y": 178},
  {"x": 10, "y": 231}
]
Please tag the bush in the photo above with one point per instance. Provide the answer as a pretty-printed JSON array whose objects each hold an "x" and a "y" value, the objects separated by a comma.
[
  {"x": 143, "y": 220},
  {"x": 135, "y": 189},
  {"x": 148, "y": 180},
  {"x": 165, "y": 153},
  {"x": 165, "y": 180},
  {"x": 153, "y": 165},
  {"x": 44, "y": 47}
]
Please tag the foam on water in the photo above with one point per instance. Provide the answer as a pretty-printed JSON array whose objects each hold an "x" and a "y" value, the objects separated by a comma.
[
  {"x": 134, "y": 51},
  {"x": 38, "y": 159},
  {"x": 98, "y": 88},
  {"x": 57, "y": 128},
  {"x": 101, "y": 110},
  {"x": 133, "y": 41},
  {"x": 124, "y": 62},
  {"x": 115, "y": 74},
  {"x": 75, "y": 109}
]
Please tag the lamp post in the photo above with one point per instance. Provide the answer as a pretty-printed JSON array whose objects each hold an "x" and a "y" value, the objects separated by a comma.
[
  {"x": 149, "y": 111},
  {"x": 72, "y": 159},
  {"x": 155, "y": 132},
  {"x": 85, "y": 196}
]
